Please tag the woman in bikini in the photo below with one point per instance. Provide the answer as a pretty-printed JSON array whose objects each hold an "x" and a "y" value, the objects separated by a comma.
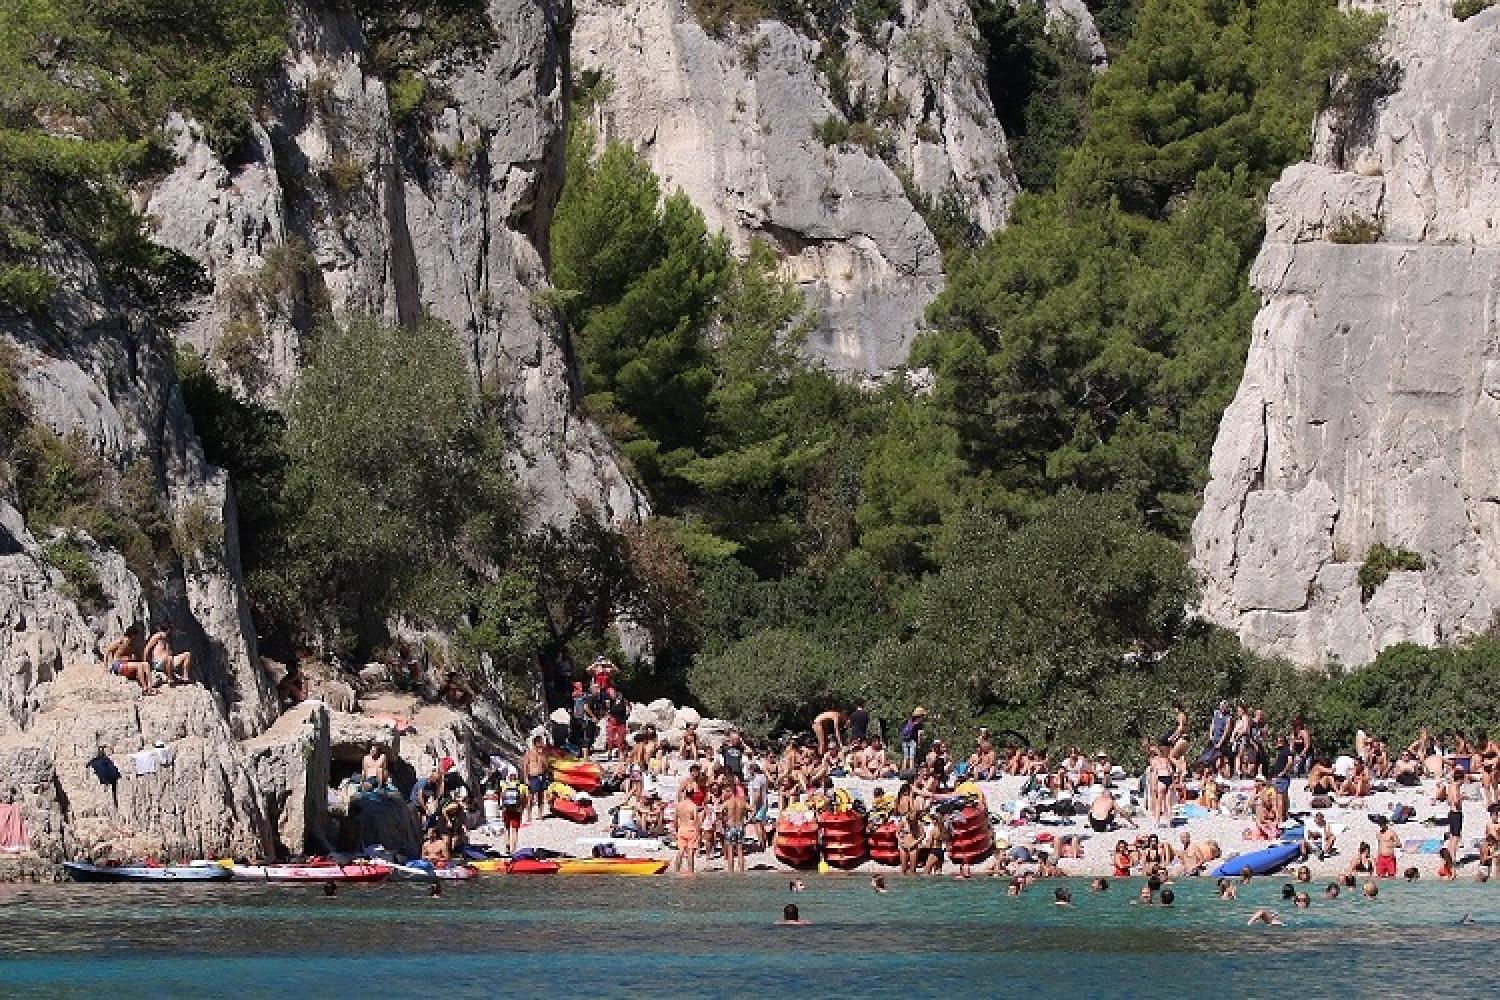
[
  {"x": 1162, "y": 775},
  {"x": 121, "y": 660}
]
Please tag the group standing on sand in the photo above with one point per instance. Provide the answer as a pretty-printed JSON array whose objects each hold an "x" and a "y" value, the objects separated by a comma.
[{"x": 146, "y": 663}]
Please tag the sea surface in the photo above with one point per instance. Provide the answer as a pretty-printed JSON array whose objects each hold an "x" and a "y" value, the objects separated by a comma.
[{"x": 716, "y": 936}]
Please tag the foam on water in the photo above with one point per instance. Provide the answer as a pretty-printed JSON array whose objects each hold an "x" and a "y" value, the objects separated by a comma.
[{"x": 716, "y": 936}]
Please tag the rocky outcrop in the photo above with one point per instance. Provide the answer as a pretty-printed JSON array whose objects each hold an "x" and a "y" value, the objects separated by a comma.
[
  {"x": 338, "y": 208},
  {"x": 1369, "y": 411},
  {"x": 290, "y": 763},
  {"x": 735, "y": 122},
  {"x": 184, "y": 788}
]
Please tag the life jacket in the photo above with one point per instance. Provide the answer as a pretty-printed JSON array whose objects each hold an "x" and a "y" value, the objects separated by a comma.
[{"x": 510, "y": 795}]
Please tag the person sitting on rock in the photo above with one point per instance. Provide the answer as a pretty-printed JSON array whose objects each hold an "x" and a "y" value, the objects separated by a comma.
[
  {"x": 455, "y": 692},
  {"x": 292, "y": 688},
  {"x": 375, "y": 769},
  {"x": 175, "y": 667},
  {"x": 121, "y": 660}
]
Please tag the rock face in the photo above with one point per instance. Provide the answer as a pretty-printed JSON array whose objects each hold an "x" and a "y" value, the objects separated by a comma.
[
  {"x": 1369, "y": 411},
  {"x": 339, "y": 207},
  {"x": 731, "y": 121},
  {"x": 105, "y": 382}
]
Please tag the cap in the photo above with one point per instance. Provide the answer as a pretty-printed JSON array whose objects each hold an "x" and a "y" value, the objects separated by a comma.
[{"x": 919, "y": 710}]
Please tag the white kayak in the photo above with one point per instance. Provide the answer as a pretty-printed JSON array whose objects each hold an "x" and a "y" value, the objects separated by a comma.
[
  {"x": 81, "y": 872},
  {"x": 423, "y": 871},
  {"x": 362, "y": 871}
]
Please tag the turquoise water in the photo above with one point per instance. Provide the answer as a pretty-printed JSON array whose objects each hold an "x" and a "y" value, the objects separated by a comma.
[{"x": 714, "y": 936}]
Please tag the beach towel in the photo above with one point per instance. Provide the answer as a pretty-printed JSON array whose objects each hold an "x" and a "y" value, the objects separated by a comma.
[
  {"x": 13, "y": 836},
  {"x": 1419, "y": 846}
]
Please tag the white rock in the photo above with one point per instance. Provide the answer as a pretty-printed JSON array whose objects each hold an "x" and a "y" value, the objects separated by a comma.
[{"x": 1369, "y": 410}]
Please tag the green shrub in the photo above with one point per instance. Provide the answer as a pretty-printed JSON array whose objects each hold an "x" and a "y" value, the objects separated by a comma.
[
  {"x": 69, "y": 556},
  {"x": 198, "y": 529},
  {"x": 1380, "y": 561},
  {"x": 28, "y": 289},
  {"x": 343, "y": 174},
  {"x": 15, "y": 405},
  {"x": 406, "y": 94},
  {"x": 1465, "y": 9},
  {"x": 721, "y": 17},
  {"x": 1353, "y": 230},
  {"x": 832, "y": 131}
]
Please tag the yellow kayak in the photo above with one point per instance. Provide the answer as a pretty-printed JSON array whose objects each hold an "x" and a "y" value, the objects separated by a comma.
[
  {"x": 611, "y": 866},
  {"x": 489, "y": 866}
]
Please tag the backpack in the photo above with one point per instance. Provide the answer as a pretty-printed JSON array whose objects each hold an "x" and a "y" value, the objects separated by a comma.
[{"x": 510, "y": 795}]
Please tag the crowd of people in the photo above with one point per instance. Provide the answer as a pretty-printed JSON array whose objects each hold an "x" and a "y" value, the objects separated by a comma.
[{"x": 719, "y": 802}]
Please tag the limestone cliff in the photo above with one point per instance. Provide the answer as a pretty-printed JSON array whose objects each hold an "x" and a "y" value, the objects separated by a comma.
[
  {"x": 1369, "y": 412},
  {"x": 339, "y": 207},
  {"x": 735, "y": 122}
]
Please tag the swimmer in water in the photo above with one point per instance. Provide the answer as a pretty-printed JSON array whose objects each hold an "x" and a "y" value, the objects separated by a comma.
[
  {"x": 329, "y": 889},
  {"x": 1062, "y": 897},
  {"x": 789, "y": 915},
  {"x": 1267, "y": 917},
  {"x": 877, "y": 882},
  {"x": 795, "y": 886},
  {"x": 436, "y": 889}
]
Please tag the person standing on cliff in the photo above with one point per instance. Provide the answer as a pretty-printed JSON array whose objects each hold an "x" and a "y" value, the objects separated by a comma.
[{"x": 175, "y": 667}]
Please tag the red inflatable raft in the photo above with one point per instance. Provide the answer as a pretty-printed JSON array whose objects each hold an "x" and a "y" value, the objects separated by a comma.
[
  {"x": 973, "y": 839},
  {"x": 577, "y": 810},
  {"x": 797, "y": 839},
  {"x": 843, "y": 838},
  {"x": 884, "y": 844}
]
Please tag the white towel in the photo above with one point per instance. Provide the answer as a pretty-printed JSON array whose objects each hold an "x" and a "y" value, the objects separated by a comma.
[{"x": 145, "y": 761}]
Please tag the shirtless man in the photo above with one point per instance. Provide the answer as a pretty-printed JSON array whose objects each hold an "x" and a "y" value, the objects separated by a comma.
[
  {"x": 834, "y": 720},
  {"x": 1197, "y": 855},
  {"x": 376, "y": 767},
  {"x": 534, "y": 768},
  {"x": 121, "y": 660},
  {"x": 174, "y": 666},
  {"x": 687, "y": 833},
  {"x": 1102, "y": 812},
  {"x": 1387, "y": 842},
  {"x": 1453, "y": 793},
  {"x": 734, "y": 812},
  {"x": 435, "y": 848}
]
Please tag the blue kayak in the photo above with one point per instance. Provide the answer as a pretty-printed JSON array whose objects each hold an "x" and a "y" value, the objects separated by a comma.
[{"x": 1266, "y": 861}]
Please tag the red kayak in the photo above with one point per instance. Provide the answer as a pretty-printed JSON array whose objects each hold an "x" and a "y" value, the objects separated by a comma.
[
  {"x": 973, "y": 839},
  {"x": 531, "y": 866},
  {"x": 579, "y": 775},
  {"x": 884, "y": 846},
  {"x": 843, "y": 838},
  {"x": 797, "y": 840},
  {"x": 579, "y": 811}
]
